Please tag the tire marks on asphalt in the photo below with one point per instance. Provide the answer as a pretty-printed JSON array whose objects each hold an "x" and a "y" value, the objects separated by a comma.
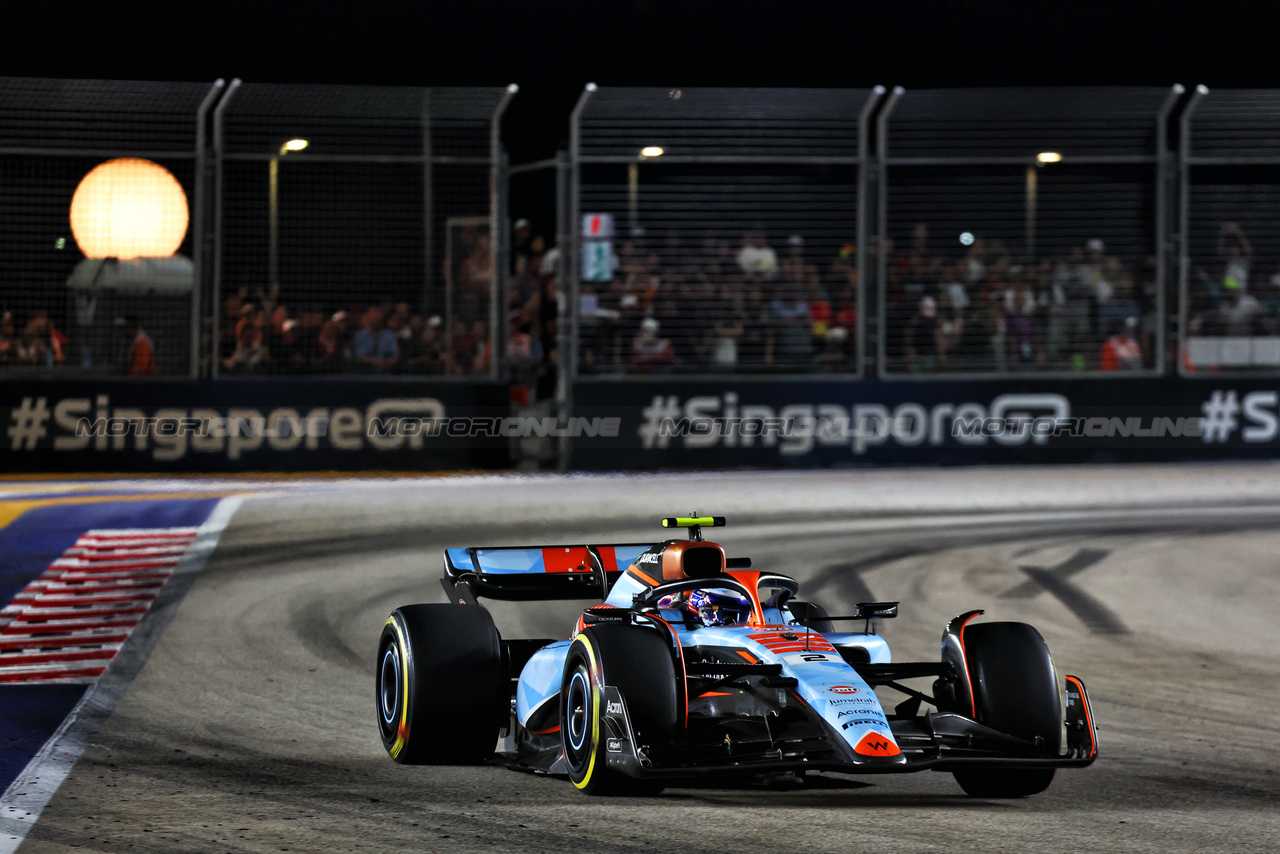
[{"x": 1056, "y": 580}]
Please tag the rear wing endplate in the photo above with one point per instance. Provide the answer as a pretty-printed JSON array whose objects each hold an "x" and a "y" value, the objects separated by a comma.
[{"x": 536, "y": 573}]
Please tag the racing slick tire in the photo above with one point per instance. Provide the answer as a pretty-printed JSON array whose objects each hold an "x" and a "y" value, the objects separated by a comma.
[
  {"x": 1015, "y": 690},
  {"x": 814, "y": 613},
  {"x": 440, "y": 684},
  {"x": 635, "y": 660}
]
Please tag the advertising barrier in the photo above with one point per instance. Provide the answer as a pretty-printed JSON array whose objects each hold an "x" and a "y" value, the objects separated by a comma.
[
  {"x": 665, "y": 423},
  {"x": 660, "y": 423},
  {"x": 253, "y": 425}
]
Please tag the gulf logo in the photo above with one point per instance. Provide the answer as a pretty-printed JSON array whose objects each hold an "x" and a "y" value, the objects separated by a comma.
[{"x": 842, "y": 689}]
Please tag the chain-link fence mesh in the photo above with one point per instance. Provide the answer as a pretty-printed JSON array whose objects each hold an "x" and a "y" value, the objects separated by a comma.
[
  {"x": 718, "y": 231},
  {"x": 355, "y": 231},
  {"x": 97, "y": 191},
  {"x": 1021, "y": 231},
  {"x": 1231, "y": 284}
]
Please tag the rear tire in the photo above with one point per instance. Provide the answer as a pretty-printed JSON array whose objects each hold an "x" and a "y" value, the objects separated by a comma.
[
  {"x": 1015, "y": 690},
  {"x": 441, "y": 687},
  {"x": 636, "y": 661}
]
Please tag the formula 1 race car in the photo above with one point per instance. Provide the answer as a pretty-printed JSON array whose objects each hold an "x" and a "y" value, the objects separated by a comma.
[{"x": 696, "y": 665}]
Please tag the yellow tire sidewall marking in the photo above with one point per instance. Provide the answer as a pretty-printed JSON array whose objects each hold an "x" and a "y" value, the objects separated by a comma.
[
  {"x": 595, "y": 711},
  {"x": 403, "y": 653}
]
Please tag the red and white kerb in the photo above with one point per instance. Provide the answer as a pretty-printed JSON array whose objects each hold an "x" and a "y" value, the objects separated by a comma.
[{"x": 69, "y": 623}]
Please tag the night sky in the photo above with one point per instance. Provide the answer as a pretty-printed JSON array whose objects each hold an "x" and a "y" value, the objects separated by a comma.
[{"x": 552, "y": 48}]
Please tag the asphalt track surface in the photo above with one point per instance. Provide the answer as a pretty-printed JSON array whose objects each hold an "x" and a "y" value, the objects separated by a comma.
[{"x": 251, "y": 728}]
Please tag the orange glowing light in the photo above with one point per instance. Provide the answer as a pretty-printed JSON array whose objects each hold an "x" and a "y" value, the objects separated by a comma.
[{"x": 129, "y": 208}]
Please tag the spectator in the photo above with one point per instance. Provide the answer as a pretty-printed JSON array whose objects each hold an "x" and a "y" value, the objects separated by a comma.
[
  {"x": 950, "y": 327},
  {"x": 995, "y": 331},
  {"x": 845, "y": 315},
  {"x": 551, "y": 262},
  {"x": 140, "y": 353},
  {"x": 1019, "y": 310},
  {"x": 375, "y": 348},
  {"x": 820, "y": 313},
  {"x": 1122, "y": 303},
  {"x": 728, "y": 327},
  {"x": 1078, "y": 309},
  {"x": 398, "y": 320},
  {"x": 1237, "y": 254},
  {"x": 480, "y": 333},
  {"x": 521, "y": 240},
  {"x": 278, "y": 339},
  {"x": 230, "y": 319},
  {"x": 834, "y": 353},
  {"x": 755, "y": 257},
  {"x": 975, "y": 262},
  {"x": 32, "y": 348},
  {"x": 48, "y": 344},
  {"x": 793, "y": 266},
  {"x": 526, "y": 286},
  {"x": 524, "y": 353},
  {"x": 331, "y": 343},
  {"x": 921, "y": 342},
  {"x": 249, "y": 352},
  {"x": 650, "y": 352},
  {"x": 1241, "y": 312},
  {"x": 8, "y": 339},
  {"x": 754, "y": 348},
  {"x": 792, "y": 329},
  {"x": 251, "y": 320},
  {"x": 1121, "y": 352},
  {"x": 427, "y": 353}
]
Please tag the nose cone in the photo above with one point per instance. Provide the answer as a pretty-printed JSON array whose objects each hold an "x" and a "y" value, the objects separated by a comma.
[{"x": 876, "y": 744}]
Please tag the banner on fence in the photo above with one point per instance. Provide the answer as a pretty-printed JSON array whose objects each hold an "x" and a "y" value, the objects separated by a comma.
[
  {"x": 771, "y": 423},
  {"x": 253, "y": 425}
]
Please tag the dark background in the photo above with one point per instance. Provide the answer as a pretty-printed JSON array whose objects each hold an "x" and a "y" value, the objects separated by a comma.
[{"x": 552, "y": 48}]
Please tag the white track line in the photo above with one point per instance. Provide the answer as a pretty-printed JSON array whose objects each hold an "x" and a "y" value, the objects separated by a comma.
[{"x": 27, "y": 796}]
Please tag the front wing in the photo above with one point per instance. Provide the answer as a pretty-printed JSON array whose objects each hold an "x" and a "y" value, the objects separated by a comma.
[{"x": 940, "y": 741}]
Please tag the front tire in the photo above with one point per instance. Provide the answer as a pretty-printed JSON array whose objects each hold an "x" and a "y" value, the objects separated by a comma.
[
  {"x": 1015, "y": 690},
  {"x": 440, "y": 682},
  {"x": 638, "y": 663}
]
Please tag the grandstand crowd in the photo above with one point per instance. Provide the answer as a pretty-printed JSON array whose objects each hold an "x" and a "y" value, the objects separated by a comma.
[
  {"x": 706, "y": 305},
  {"x": 712, "y": 308}
]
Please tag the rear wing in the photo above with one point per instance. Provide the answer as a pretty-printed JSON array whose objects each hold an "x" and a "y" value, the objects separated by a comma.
[{"x": 534, "y": 573}]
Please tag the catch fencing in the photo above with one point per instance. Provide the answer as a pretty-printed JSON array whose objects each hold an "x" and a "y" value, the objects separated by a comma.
[
  {"x": 719, "y": 230},
  {"x": 702, "y": 235},
  {"x": 352, "y": 215},
  {"x": 1027, "y": 230},
  {"x": 73, "y": 291},
  {"x": 285, "y": 229},
  {"x": 1229, "y": 285}
]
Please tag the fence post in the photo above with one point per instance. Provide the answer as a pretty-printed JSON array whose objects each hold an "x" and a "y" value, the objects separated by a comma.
[
  {"x": 216, "y": 289},
  {"x": 498, "y": 227},
  {"x": 1184, "y": 212},
  {"x": 198, "y": 226},
  {"x": 1163, "y": 181},
  {"x": 882, "y": 217},
  {"x": 863, "y": 236},
  {"x": 572, "y": 251},
  {"x": 428, "y": 213},
  {"x": 564, "y": 321}
]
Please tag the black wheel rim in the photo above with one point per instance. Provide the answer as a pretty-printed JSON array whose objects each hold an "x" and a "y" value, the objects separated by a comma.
[
  {"x": 577, "y": 718},
  {"x": 389, "y": 682}
]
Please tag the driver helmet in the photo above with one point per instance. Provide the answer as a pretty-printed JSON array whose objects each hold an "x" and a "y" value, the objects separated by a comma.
[{"x": 719, "y": 607}]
